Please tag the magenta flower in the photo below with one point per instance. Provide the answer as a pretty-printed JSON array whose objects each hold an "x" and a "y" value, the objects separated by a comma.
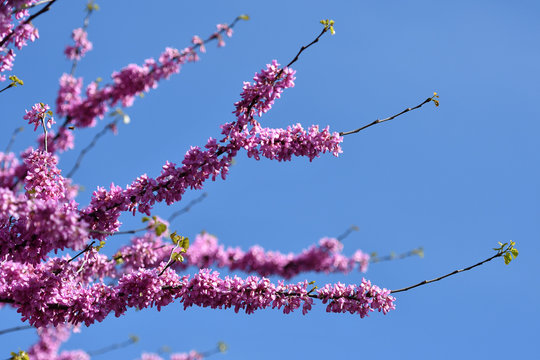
[{"x": 38, "y": 114}]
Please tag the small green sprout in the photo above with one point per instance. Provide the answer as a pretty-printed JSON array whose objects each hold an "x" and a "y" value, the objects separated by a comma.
[
  {"x": 15, "y": 81},
  {"x": 22, "y": 355},
  {"x": 434, "y": 99},
  {"x": 222, "y": 347},
  {"x": 134, "y": 338},
  {"x": 507, "y": 251},
  {"x": 328, "y": 25},
  {"x": 244, "y": 17}
]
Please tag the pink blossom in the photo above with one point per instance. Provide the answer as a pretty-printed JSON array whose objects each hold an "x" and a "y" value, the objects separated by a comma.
[
  {"x": 81, "y": 47},
  {"x": 37, "y": 115}
]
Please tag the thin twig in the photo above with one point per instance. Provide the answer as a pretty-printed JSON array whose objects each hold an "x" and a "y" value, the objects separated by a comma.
[
  {"x": 12, "y": 139},
  {"x": 347, "y": 232},
  {"x": 86, "y": 22},
  {"x": 498, "y": 254},
  {"x": 378, "y": 121},
  {"x": 418, "y": 251},
  {"x": 112, "y": 347},
  {"x": 82, "y": 252},
  {"x": 31, "y": 6},
  {"x": 120, "y": 232},
  {"x": 89, "y": 147},
  {"x": 7, "y": 87},
  {"x": 16, "y": 328},
  {"x": 187, "y": 207},
  {"x": 10, "y": 143}
]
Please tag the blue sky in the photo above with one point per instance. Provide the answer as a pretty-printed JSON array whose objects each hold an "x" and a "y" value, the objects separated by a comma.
[{"x": 454, "y": 179}]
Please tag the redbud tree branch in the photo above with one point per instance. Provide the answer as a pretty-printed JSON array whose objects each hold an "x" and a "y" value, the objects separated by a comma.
[
  {"x": 498, "y": 254},
  {"x": 132, "y": 340},
  {"x": 188, "y": 207},
  {"x": 89, "y": 10},
  {"x": 16, "y": 328},
  {"x": 89, "y": 147},
  {"x": 418, "y": 251},
  {"x": 32, "y": 17},
  {"x": 378, "y": 121}
]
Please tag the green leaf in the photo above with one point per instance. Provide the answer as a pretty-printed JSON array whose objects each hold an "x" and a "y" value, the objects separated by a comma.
[
  {"x": 185, "y": 243},
  {"x": 222, "y": 347},
  {"x": 145, "y": 219},
  {"x": 177, "y": 257},
  {"x": 134, "y": 338},
  {"x": 160, "y": 228},
  {"x": 514, "y": 252},
  {"x": 244, "y": 17},
  {"x": 507, "y": 258},
  {"x": 175, "y": 237}
]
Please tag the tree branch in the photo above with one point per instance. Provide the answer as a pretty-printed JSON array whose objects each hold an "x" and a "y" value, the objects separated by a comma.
[
  {"x": 498, "y": 254},
  {"x": 343, "y": 133},
  {"x": 16, "y": 328},
  {"x": 32, "y": 17}
]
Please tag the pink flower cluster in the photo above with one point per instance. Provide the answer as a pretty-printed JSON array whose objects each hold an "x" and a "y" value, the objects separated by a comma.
[
  {"x": 31, "y": 228},
  {"x": 38, "y": 114},
  {"x": 10, "y": 33},
  {"x": 43, "y": 179},
  {"x": 199, "y": 165},
  {"x": 51, "y": 293},
  {"x": 192, "y": 355},
  {"x": 48, "y": 345},
  {"x": 127, "y": 83},
  {"x": 81, "y": 47},
  {"x": 149, "y": 251}
]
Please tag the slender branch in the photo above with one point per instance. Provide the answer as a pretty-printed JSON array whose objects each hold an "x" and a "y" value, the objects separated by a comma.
[
  {"x": 32, "y": 17},
  {"x": 32, "y": 6},
  {"x": 305, "y": 47},
  {"x": 7, "y": 87},
  {"x": 347, "y": 232},
  {"x": 82, "y": 252},
  {"x": 89, "y": 147},
  {"x": 12, "y": 139},
  {"x": 418, "y": 251},
  {"x": 86, "y": 22},
  {"x": 378, "y": 121},
  {"x": 187, "y": 207},
  {"x": 498, "y": 254},
  {"x": 120, "y": 232},
  {"x": 106, "y": 349},
  {"x": 16, "y": 328}
]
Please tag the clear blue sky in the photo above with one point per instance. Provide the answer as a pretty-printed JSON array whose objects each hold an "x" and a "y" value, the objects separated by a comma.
[{"x": 454, "y": 179}]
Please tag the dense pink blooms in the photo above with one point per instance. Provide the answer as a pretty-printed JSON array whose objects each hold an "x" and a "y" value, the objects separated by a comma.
[
  {"x": 149, "y": 251},
  {"x": 51, "y": 294},
  {"x": 43, "y": 179},
  {"x": 69, "y": 94},
  {"x": 126, "y": 84},
  {"x": 48, "y": 345},
  {"x": 31, "y": 228},
  {"x": 199, "y": 165},
  {"x": 199, "y": 42},
  {"x": 38, "y": 214},
  {"x": 38, "y": 114},
  {"x": 192, "y": 355},
  {"x": 81, "y": 46},
  {"x": 13, "y": 31},
  {"x": 60, "y": 142}
]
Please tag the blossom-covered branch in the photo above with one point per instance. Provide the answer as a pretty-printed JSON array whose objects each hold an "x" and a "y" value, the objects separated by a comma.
[
  {"x": 205, "y": 252},
  {"x": 19, "y": 34}
]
